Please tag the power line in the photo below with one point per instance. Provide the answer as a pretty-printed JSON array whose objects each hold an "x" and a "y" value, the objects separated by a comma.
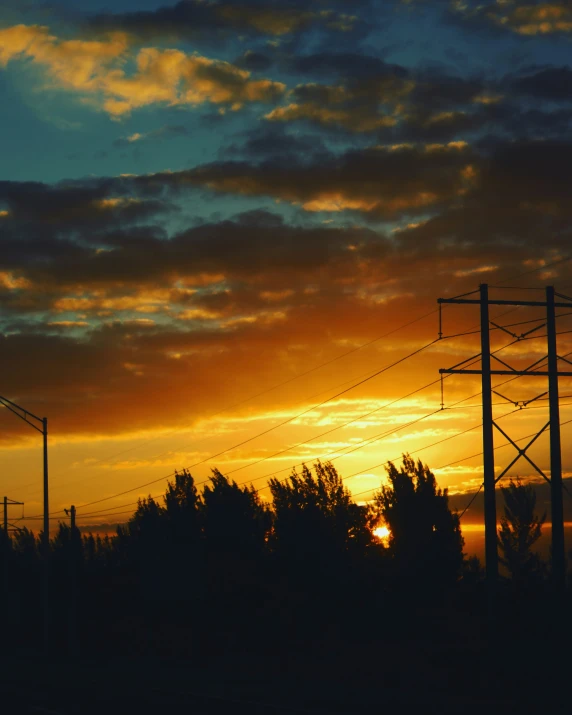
[
  {"x": 270, "y": 429},
  {"x": 352, "y": 449},
  {"x": 369, "y": 375},
  {"x": 240, "y": 444},
  {"x": 558, "y": 261},
  {"x": 315, "y": 407},
  {"x": 110, "y": 510}
]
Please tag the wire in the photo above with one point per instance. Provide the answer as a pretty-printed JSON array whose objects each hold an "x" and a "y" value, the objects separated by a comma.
[
  {"x": 397, "y": 362},
  {"x": 270, "y": 429},
  {"x": 284, "y": 422},
  {"x": 109, "y": 511},
  {"x": 369, "y": 441},
  {"x": 472, "y": 456},
  {"x": 247, "y": 399},
  {"x": 312, "y": 408},
  {"x": 558, "y": 261},
  {"x": 278, "y": 385}
]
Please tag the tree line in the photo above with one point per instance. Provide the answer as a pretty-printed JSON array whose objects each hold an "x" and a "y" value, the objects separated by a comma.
[{"x": 205, "y": 571}]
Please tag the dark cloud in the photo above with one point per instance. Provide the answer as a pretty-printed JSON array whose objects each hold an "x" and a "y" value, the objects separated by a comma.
[
  {"x": 346, "y": 64},
  {"x": 438, "y": 91},
  {"x": 255, "y": 246},
  {"x": 35, "y": 210},
  {"x": 519, "y": 203},
  {"x": 382, "y": 181},
  {"x": 254, "y": 61},
  {"x": 272, "y": 141},
  {"x": 550, "y": 83},
  {"x": 192, "y": 19}
]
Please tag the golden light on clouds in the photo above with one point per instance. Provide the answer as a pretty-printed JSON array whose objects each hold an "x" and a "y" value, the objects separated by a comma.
[{"x": 96, "y": 69}]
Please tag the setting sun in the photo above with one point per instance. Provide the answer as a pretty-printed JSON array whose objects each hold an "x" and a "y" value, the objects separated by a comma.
[{"x": 382, "y": 533}]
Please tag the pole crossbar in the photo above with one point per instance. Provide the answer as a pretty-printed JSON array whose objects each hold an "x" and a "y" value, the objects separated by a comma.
[
  {"x": 527, "y": 303},
  {"x": 534, "y": 373}
]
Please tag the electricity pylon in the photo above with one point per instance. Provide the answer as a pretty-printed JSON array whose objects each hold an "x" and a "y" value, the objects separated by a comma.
[{"x": 490, "y": 480}]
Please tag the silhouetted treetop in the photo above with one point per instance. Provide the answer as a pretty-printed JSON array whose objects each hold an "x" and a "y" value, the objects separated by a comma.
[
  {"x": 314, "y": 512},
  {"x": 520, "y": 529},
  {"x": 425, "y": 536},
  {"x": 234, "y": 517}
]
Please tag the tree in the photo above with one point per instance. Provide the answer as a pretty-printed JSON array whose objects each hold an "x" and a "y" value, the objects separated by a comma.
[
  {"x": 520, "y": 529},
  {"x": 316, "y": 523},
  {"x": 425, "y": 536},
  {"x": 182, "y": 510},
  {"x": 235, "y": 520}
]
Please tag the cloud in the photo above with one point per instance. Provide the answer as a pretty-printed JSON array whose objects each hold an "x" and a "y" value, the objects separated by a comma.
[
  {"x": 193, "y": 19},
  {"x": 96, "y": 69},
  {"x": 381, "y": 181},
  {"x": 547, "y": 83},
  {"x": 522, "y": 18},
  {"x": 172, "y": 131},
  {"x": 168, "y": 324},
  {"x": 370, "y": 95},
  {"x": 361, "y": 108}
]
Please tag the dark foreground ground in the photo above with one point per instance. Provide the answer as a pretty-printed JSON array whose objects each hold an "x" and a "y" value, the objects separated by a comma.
[{"x": 393, "y": 677}]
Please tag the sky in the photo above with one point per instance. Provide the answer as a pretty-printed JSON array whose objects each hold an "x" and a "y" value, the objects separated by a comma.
[{"x": 216, "y": 217}]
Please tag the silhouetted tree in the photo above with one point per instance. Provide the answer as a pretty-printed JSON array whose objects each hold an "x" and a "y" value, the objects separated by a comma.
[
  {"x": 425, "y": 536},
  {"x": 145, "y": 527},
  {"x": 520, "y": 529},
  {"x": 26, "y": 545},
  {"x": 235, "y": 520},
  {"x": 316, "y": 522},
  {"x": 182, "y": 502}
]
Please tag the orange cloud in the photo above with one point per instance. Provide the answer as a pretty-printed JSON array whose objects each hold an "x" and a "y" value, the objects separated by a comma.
[
  {"x": 522, "y": 18},
  {"x": 323, "y": 115},
  {"x": 96, "y": 69},
  {"x": 543, "y": 19}
]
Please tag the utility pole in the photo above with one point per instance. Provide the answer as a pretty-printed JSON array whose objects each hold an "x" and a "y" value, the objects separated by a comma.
[
  {"x": 7, "y": 503},
  {"x": 486, "y": 372},
  {"x": 46, "y": 585},
  {"x": 6, "y": 569},
  {"x": 72, "y": 564},
  {"x": 71, "y": 513}
]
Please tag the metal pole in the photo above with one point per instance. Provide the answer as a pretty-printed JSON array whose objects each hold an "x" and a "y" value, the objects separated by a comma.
[
  {"x": 6, "y": 554},
  {"x": 46, "y": 542},
  {"x": 73, "y": 564},
  {"x": 558, "y": 551},
  {"x": 491, "y": 553}
]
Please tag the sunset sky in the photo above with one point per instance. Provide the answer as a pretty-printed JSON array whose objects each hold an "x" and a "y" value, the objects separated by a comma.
[{"x": 215, "y": 216}]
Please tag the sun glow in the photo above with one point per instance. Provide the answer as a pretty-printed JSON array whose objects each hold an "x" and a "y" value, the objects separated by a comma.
[{"x": 382, "y": 533}]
